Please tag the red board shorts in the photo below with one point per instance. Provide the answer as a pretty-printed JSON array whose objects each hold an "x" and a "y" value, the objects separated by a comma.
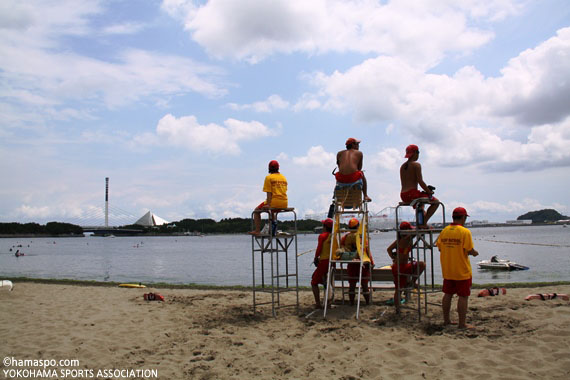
[
  {"x": 263, "y": 204},
  {"x": 405, "y": 269},
  {"x": 349, "y": 178},
  {"x": 410, "y": 195},
  {"x": 353, "y": 270},
  {"x": 320, "y": 272},
  {"x": 460, "y": 287}
]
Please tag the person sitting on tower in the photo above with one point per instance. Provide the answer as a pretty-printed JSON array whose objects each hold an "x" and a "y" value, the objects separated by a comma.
[
  {"x": 349, "y": 163},
  {"x": 411, "y": 177},
  {"x": 275, "y": 186}
]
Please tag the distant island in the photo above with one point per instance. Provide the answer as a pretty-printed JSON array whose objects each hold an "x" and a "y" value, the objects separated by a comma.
[{"x": 543, "y": 216}]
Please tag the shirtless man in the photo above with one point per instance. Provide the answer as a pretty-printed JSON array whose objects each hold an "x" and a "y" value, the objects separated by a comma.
[
  {"x": 349, "y": 163},
  {"x": 411, "y": 177}
]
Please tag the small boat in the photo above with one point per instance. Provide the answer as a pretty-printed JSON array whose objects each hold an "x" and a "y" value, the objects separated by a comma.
[{"x": 499, "y": 264}]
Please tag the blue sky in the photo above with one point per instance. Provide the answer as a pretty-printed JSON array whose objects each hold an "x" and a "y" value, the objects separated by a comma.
[{"x": 183, "y": 103}]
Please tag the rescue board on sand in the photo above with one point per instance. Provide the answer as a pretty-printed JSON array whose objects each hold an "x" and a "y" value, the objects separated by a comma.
[{"x": 132, "y": 286}]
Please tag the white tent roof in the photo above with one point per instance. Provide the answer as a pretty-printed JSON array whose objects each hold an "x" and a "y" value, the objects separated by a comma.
[{"x": 149, "y": 220}]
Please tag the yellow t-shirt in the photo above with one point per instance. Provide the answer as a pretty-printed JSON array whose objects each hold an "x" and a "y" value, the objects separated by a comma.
[
  {"x": 276, "y": 184},
  {"x": 325, "y": 242},
  {"x": 454, "y": 242}
]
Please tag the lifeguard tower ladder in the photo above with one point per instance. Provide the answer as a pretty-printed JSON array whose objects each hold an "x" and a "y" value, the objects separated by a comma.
[
  {"x": 348, "y": 200},
  {"x": 423, "y": 244},
  {"x": 280, "y": 248}
]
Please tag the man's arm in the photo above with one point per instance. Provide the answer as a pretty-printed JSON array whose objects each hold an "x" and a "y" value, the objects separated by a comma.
[
  {"x": 391, "y": 249},
  {"x": 319, "y": 246},
  {"x": 420, "y": 179},
  {"x": 268, "y": 200},
  {"x": 360, "y": 158},
  {"x": 473, "y": 253}
]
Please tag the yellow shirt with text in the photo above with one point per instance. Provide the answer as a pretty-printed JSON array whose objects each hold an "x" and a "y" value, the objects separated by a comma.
[
  {"x": 276, "y": 184},
  {"x": 454, "y": 242}
]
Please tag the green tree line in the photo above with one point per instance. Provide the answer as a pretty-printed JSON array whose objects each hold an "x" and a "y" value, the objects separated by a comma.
[
  {"x": 224, "y": 226},
  {"x": 51, "y": 228}
]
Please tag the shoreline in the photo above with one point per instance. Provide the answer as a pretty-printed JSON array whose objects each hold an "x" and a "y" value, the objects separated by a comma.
[
  {"x": 164, "y": 285},
  {"x": 489, "y": 225}
]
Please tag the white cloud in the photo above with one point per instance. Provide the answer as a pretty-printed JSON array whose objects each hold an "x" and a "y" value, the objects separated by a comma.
[
  {"x": 316, "y": 156},
  {"x": 273, "y": 102},
  {"x": 40, "y": 73},
  {"x": 420, "y": 32},
  {"x": 388, "y": 159},
  {"x": 307, "y": 102},
  {"x": 535, "y": 88},
  {"x": 125, "y": 28},
  {"x": 187, "y": 133},
  {"x": 470, "y": 117}
]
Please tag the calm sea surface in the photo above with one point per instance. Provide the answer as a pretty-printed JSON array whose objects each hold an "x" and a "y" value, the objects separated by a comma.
[{"x": 227, "y": 259}]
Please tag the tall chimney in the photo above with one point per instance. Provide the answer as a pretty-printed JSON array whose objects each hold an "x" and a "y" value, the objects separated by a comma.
[{"x": 106, "y": 201}]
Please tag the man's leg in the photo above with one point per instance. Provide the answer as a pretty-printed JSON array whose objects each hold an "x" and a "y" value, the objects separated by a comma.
[
  {"x": 430, "y": 211},
  {"x": 256, "y": 222},
  {"x": 351, "y": 290},
  {"x": 366, "y": 292},
  {"x": 462, "y": 304},
  {"x": 418, "y": 271},
  {"x": 446, "y": 306},
  {"x": 316, "y": 293},
  {"x": 365, "y": 189}
]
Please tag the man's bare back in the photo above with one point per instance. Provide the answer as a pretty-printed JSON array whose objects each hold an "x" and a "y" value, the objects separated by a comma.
[
  {"x": 349, "y": 161},
  {"x": 410, "y": 175}
]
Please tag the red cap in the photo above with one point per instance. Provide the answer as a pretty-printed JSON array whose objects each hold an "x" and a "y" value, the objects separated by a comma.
[
  {"x": 406, "y": 226},
  {"x": 411, "y": 149},
  {"x": 460, "y": 211},
  {"x": 351, "y": 140},
  {"x": 327, "y": 222},
  {"x": 273, "y": 164},
  {"x": 353, "y": 223}
]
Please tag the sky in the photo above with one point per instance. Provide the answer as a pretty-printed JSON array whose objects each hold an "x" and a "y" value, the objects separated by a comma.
[{"x": 183, "y": 103}]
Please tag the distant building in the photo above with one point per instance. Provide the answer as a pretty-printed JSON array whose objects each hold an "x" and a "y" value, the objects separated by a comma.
[
  {"x": 522, "y": 221},
  {"x": 150, "y": 220},
  {"x": 479, "y": 222}
]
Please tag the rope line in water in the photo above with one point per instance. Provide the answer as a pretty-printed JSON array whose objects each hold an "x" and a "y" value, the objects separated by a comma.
[{"x": 517, "y": 242}]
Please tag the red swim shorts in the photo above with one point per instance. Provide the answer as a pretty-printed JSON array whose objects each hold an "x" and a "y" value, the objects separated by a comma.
[
  {"x": 410, "y": 195},
  {"x": 405, "y": 269},
  {"x": 460, "y": 287},
  {"x": 353, "y": 270},
  {"x": 320, "y": 272},
  {"x": 349, "y": 178}
]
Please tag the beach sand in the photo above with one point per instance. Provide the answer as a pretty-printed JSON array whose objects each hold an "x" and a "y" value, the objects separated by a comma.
[{"x": 213, "y": 334}]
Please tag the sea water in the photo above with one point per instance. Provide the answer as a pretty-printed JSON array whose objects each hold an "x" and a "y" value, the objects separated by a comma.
[{"x": 227, "y": 259}]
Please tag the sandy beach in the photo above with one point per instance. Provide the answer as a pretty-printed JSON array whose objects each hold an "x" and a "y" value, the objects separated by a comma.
[{"x": 213, "y": 334}]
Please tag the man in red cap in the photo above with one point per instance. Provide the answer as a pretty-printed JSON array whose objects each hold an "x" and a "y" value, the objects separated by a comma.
[
  {"x": 349, "y": 163},
  {"x": 321, "y": 260},
  {"x": 275, "y": 186},
  {"x": 411, "y": 177},
  {"x": 455, "y": 245},
  {"x": 399, "y": 252}
]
